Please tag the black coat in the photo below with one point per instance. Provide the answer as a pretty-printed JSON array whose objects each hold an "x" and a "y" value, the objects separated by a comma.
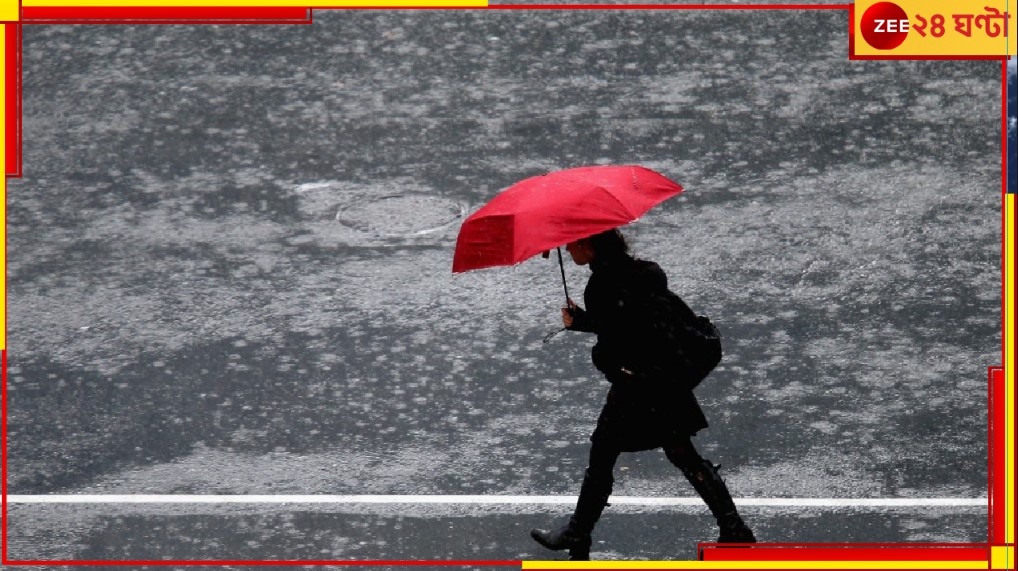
[{"x": 638, "y": 415}]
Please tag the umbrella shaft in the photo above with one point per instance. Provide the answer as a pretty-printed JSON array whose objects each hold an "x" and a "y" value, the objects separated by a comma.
[{"x": 562, "y": 268}]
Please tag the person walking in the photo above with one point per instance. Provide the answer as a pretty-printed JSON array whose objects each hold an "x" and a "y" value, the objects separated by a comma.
[{"x": 639, "y": 413}]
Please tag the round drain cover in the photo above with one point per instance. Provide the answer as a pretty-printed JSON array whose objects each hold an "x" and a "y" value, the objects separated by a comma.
[{"x": 401, "y": 215}]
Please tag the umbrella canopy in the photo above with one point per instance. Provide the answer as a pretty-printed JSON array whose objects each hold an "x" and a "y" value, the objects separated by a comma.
[{"x": 547, "y": 211}]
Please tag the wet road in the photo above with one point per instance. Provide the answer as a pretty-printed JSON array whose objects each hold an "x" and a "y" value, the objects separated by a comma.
[
  {"x": 229, "y": 272},
  {"x": 311, "y": 533}
]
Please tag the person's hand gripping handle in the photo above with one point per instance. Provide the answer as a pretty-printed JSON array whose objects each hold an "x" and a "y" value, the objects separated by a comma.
[
  {"x": 567, "y": 313},
  {"x": 567, "y": 319}
]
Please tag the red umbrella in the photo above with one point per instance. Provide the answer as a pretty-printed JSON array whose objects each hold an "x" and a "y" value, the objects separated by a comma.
[{"x": 548, "y": 211}]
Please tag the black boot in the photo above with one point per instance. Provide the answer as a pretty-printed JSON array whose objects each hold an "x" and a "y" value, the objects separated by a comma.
[
  {"x": 565, "y": 537},
  {"x": 708, "y": 483},
  {"x": 575, "y": 535}
]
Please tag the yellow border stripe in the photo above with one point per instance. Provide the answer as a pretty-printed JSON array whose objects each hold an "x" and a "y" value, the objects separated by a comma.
[
  {"x": 1001, "y": 557},
  {"x": 248, "y": 3},
  {"x": 755, "y": 564},
  {"x": 1009, "y": 366},
  {"x": 10, "y": 11}
]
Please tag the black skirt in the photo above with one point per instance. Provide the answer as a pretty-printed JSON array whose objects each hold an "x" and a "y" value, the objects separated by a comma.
[{"x": 637, "y": 418}]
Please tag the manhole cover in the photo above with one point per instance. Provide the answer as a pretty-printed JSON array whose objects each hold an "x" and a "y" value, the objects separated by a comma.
[{"x": 401, "y": 215}]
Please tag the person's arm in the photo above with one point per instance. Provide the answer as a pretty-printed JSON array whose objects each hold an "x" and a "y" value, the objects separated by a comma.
[{"x": 575, "y": 318}]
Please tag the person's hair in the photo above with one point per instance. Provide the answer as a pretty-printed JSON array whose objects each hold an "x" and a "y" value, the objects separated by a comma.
[{"x": 609, "y": 244}]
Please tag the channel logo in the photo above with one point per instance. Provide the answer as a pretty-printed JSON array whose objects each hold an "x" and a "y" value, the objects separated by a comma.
[
  {"x": 884, "y": 25},
  {"x": 917, "y": 28}
]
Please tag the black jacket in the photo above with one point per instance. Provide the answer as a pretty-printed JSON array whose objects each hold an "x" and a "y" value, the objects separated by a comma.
[
  {"x": 638, "y": 414},
  {"x": 610, "y": 287}
]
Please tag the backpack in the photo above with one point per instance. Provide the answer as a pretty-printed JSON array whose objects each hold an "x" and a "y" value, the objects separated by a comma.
[{"x": 668, "y": 341}]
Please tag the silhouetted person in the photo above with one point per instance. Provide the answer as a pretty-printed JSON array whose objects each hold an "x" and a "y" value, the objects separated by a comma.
[{"x": 639, "y": 414}]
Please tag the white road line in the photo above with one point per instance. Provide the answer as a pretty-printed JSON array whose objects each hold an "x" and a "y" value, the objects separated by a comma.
[{"x": 481, "y": 500}]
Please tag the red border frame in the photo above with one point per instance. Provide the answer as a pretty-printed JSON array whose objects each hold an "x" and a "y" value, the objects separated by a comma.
[
  {"x": 165, "y": 15},
  {"x": 706, "y": 551},
  {"x": 848, "y": 552},
  {"x": 3, "y": 457},
  {"x": 12, "y": 103},
  {"x": 997, "y": 435}
]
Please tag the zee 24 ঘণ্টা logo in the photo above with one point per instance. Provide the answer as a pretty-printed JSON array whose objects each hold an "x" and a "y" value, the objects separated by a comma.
[{"x": 885, "y": 25}]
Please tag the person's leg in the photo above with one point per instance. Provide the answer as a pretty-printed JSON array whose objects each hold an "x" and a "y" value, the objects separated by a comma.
[
  {"x": 597, "y": 486},
  {"x": 708, "y": 483}
]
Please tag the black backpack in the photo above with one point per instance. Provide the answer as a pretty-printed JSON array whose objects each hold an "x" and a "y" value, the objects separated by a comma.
[{"x": 668, "y": 341}]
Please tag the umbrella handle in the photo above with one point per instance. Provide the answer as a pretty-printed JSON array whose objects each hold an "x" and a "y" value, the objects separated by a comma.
[
  {"x": 552, "y": 334},
  {"x": 562, "y": 269}
]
